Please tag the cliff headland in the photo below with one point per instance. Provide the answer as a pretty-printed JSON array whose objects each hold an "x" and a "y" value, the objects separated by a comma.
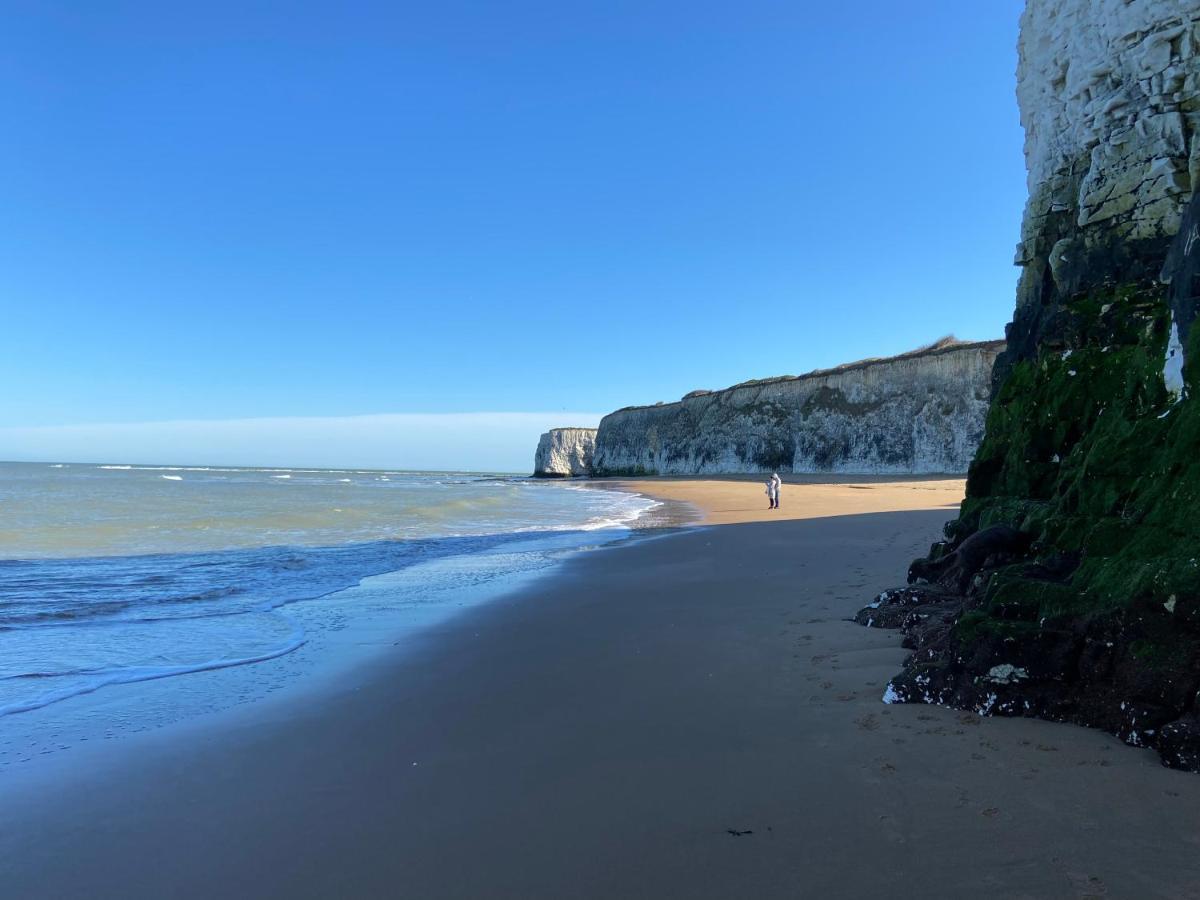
[{"x": 917, "y": 413}]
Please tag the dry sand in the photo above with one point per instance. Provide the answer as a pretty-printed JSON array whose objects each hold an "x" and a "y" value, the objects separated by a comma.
[
  {"x": 733, "y": 499},
  {"x": 689, "y": 716}
]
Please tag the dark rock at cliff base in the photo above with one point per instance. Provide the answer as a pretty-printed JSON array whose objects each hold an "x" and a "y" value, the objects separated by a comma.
[
  {"x": 954, "y": 566},
  {"x": 891, "y": 607},
  {"x": 1179, "y": 744},
  {"x": 1101, "y": 673},
  {"x": 1134, "y": 672}
]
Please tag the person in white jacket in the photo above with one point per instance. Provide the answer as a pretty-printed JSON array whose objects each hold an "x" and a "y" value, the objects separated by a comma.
[
  {"x": 778, "y": 483},
  {"x": 772, "y": 495}
]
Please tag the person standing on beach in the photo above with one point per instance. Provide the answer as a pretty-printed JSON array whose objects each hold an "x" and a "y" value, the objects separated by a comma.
[
  {"x": 777, "y": 482},
  {"x": 771, "y": 493}
]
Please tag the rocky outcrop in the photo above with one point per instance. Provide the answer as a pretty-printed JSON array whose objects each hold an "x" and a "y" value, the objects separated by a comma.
[
  {"x": 564, "y": 453},
  {"x": 922, "y": 412},
  {"x": 1092, "y": 613}
]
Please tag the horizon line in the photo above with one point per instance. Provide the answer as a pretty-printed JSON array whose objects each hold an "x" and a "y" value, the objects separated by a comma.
[
  {"x": 487, "y": 442},
  {"x": 233, "y": 467}
]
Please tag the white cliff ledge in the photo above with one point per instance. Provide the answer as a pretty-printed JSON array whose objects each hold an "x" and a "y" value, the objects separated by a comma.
[
  {"x": 564, "y": 453},
  {"x": 918, "y": 413},
  {"x": 1107, "y": 90}
]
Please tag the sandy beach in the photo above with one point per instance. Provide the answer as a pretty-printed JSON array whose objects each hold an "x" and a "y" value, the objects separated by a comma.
[
  {"x": 738, "y": 499},
  {"x": 684, "y": 716}
]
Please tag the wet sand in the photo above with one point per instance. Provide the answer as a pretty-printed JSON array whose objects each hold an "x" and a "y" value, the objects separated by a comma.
[{"x": 690, "y": 716}]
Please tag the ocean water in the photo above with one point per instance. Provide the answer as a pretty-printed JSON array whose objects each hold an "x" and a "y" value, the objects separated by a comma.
[{"x": 114, "y": 575}]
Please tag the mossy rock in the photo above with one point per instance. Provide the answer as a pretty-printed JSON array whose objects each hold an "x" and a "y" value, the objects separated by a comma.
[{"x": 1088, "y": 453}]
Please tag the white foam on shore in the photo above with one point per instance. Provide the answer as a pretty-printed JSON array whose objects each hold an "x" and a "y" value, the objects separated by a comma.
[
  {"x": 629, "y": 507},
  {"x": 93, "y": 681}
]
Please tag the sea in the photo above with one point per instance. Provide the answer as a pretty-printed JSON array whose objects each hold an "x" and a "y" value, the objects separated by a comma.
[{"x": 114, "y": 575}]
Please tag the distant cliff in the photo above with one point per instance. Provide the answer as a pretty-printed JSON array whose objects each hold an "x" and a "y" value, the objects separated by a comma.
[
  {"x": 922, "y": 412},
  {"x": 564, "y": 452}
]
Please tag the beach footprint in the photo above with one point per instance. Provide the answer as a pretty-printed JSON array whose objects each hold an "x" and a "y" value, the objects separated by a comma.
[{"x": 1088, "y": 887}]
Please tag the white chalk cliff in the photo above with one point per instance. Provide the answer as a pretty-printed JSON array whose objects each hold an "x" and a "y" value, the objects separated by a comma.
[
  {"x": 921, "y": 412},
  {"x": 564, "y": 453},
  {"x": 1107, "y": 91}
]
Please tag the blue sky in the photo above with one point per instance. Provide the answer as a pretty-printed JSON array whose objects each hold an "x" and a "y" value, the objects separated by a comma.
[{"x": 244, "y": 210}]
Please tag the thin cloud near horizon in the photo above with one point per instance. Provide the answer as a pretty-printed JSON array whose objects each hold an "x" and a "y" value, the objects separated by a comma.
[{"x": 476, "y": 441}]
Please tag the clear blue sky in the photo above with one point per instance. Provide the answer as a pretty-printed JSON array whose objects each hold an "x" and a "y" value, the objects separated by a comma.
[{"x": 231, "y": 210}]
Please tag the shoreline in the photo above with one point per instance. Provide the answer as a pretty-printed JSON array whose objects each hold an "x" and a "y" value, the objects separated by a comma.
[
  {"x": 604, "y": 731},
  {"x": 290, "y": 598}
]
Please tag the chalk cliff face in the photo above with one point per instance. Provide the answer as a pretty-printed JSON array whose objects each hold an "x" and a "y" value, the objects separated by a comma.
[
  {"x": 1069, "y": 587},
  {"x": 918, "y": 413},
  {"x": 1107, "y": 90},
  {"x": 564, "y": 452}
]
